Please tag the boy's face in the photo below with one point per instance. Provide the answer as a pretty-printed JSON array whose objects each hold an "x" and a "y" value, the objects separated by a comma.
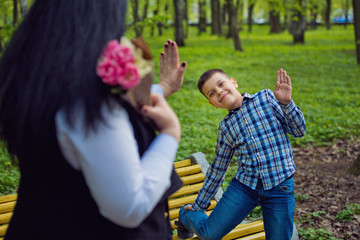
[{"x": 221, "y": 91}]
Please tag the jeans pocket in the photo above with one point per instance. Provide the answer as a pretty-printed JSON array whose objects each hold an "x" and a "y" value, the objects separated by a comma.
[{"x": 287, "y": 186}]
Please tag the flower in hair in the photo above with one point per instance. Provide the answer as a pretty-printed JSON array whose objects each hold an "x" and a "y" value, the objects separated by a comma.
[{"x": 117, "y": 67}]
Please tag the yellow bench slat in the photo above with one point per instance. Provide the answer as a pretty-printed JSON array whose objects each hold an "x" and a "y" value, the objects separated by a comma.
[
  {"x": 3, "y": 229},
  {"x": 174, "y": 203},
  {"x": 5, "y": 217},
  {"x": 186, "y": 190},
  {"x": 257, "y": 236},
  {"x": 245, "y": 229},
  {"x": 8, "y": 198},
  {"x": 184, "y": 171},
  {"x": 183, "y": 163},
  {"x": 7, "y": 207},
  {"x": 199, "y": 177}
]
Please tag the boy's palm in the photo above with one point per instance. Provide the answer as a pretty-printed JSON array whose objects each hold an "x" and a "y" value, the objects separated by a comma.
[{"x": 283, "y": 88}]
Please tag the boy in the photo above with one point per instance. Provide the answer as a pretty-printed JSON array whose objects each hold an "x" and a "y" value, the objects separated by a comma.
[{"x": 255, "y": 130}]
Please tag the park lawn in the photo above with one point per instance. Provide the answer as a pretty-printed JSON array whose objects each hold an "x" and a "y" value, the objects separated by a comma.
[{"x": 324, "y": 74}]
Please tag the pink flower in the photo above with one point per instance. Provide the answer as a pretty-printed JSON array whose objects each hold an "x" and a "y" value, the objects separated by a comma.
[
  {"x": 131, "y": 76},
  {"x": 108, "y": 71},
  {"x": 116, "y": 66}
]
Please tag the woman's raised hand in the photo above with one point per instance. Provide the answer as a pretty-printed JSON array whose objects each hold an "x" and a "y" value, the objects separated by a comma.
[{"x": 171, "y": 72}]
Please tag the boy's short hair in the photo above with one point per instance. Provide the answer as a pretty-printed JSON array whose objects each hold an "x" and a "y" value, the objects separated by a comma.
[{"x": 206, "y": 75}]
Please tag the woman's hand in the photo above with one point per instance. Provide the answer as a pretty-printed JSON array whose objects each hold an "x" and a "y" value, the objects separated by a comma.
[
  {"x": 171, "y": 72},
  {"x": 163, "y": 116}
]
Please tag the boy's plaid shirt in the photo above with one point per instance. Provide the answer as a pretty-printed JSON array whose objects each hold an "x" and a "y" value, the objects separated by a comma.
[{"x": 257, "y": 134}]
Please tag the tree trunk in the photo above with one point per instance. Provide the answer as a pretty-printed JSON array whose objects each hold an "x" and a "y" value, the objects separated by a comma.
[
  {"x": 144, "y": 16},
  {"x": 145, "y": 11},
  {"x": 15, "y": 12},
  {"x": 220, "y": 18},
  {"x": 274, "y": 17},
  {"x": 23, "y": 7},
  {"x": 186, "y": 18},
  {"x": 239, "y": 14},
  {"x": 202, "y": 16},
  {"x": 233, "y": 28},
  {"x": 298, "y": 21},
  {"x": 274, "y": 21},
  {"x": 137, "y": 19},
  {"x": 250, "y": 14},
  {"x": 227, "y": 17},
  {"x": 356, "y": 9},
  {"x": 327, "y": 14},
  {"x": 157, "y": 23},
  {"x": 179, "y": 30},
  {"x": 224, "y": 17},
  {"x": 215, "y": 17},
  {"x": 135, "y": 8},
  {"x": 346, "y": 13}
]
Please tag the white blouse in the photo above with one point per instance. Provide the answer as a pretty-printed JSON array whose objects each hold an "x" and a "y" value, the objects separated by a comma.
[{"x": 125, "y": 187}]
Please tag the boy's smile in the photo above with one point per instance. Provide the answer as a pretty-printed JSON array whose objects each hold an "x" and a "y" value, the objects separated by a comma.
[{"x": 221, "y": 91}]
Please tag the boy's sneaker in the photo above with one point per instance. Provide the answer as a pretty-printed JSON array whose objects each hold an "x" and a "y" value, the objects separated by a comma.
[{"x": 182, "y": 231}]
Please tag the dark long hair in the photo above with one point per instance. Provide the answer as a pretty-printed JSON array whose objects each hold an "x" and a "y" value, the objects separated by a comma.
[{"x": 50, "y": 64}]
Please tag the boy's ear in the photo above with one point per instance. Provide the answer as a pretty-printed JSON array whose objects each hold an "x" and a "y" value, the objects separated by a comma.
[{"x": 234, "y": 82}]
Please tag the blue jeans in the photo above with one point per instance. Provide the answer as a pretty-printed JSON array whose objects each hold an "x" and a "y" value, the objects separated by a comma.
[{"x": 278, "y": 206}]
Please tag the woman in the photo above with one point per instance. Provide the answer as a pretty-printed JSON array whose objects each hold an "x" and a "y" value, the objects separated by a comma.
[{"x": 91, "y": 165}]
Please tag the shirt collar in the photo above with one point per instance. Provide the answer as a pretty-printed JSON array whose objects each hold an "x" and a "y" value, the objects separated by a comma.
[{"x": 245, "y": 96}]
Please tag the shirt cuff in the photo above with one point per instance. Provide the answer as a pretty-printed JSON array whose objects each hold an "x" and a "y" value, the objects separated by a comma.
[
  {"x": 155, "y": 88},
  {"x": 165, "y": 144},
  {"x": 288, "y": 108},
  {"x": 196, "y": 207}
]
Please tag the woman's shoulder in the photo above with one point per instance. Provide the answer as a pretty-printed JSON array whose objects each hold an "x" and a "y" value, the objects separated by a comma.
[{"x": 76, "y": 118}]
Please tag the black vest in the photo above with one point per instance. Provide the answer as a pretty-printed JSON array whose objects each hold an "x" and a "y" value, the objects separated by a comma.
[{"x": 54, "y": 202}]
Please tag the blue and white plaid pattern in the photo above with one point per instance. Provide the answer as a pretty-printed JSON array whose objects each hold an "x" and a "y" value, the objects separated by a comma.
[{"x": 256, "y": 133}]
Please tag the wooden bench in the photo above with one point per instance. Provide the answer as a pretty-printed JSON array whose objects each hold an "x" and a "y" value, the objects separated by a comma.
[
  {"x": 7, "y": 204},
  {"x": 192, "y": 171}
]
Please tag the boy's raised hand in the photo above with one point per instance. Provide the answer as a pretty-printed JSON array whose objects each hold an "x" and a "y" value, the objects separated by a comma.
[{"x": 283, "y": 88}]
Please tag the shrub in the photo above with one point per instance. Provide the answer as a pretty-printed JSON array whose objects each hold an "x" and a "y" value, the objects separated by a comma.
[{"x": 348, "y": 213}]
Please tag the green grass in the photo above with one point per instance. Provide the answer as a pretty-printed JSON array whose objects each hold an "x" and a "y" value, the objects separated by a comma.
[
  {"x": 324, "y": 73},
  {"x": 9, "y": 176}
]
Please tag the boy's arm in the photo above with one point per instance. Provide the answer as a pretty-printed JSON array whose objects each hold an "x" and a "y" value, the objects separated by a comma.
[
  {"x": 215, "y": 175},
  {"x": 285, "y": 108}
]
